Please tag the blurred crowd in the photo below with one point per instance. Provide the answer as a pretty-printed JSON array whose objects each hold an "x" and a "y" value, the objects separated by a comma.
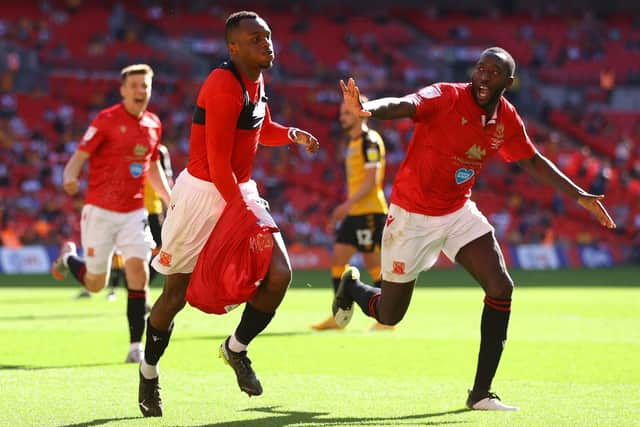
[{"x": 577, "y": 88}]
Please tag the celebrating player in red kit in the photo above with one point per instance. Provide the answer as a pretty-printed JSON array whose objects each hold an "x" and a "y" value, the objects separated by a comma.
[
  {"x": 230, "y": 119},
  {"x": 121, "y": 146},
  {"x": 458, "y": 126}
]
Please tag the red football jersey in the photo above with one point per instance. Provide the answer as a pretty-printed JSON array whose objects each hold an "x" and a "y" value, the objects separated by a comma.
[
  {"x": 219, "y": 151},
  {"x": 452, "y": 140},
  {"x": 121, "y": 148}
]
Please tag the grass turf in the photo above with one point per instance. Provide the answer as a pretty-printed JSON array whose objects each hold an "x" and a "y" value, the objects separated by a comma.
[{"x": 572, "y": 359}]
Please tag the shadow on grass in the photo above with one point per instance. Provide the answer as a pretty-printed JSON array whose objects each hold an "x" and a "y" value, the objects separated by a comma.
[
  {"x": 99, "y": 422},
  {"x": 284, "y": 418},
  {"x": 38, "y": 368},
  {"x": 223, "y": 337}
]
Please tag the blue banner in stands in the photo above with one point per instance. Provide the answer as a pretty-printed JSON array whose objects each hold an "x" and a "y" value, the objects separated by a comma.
[
  {"x": 595, "y": 256},
  {"x": 24, "y": 260}
]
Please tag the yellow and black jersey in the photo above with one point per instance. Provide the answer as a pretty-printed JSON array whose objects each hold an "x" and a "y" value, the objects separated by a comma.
[
  {"x": 364, "y": 152},
  {"x": 152, "y": 201}
]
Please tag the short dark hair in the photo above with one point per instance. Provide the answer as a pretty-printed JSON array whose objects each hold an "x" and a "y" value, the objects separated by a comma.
[
  {"x": 504, "y": 55},
  {"x": 233, "y": 21},
  {"x": 135, "y": 69}
]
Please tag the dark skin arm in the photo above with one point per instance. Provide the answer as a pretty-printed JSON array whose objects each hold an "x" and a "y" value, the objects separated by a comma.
[
  {"x": 542, "y": 168},
  {"x": 383, "y": 108}
]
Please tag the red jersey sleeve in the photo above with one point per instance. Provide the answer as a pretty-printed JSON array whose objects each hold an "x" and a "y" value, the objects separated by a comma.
[
  {"x": 272, "y": 133},
  {"x": 430, "y": 100},
  {"x": 156, "y": 154},
  {"x": 517, "y": 145},
  {"x": 94, "y": 136},
  {"x": 222, "y": 112}
]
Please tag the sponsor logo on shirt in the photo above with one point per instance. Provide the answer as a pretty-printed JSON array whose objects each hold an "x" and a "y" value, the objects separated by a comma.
[
  {"x": 398, "y": 267},
  {"x": 373, "y": 155},
  {"x": 463, "y": 175},
  {"x": 476, "y": 152},
  {"x": 136, "y": 169},
  {"x": 140, "y": 150}
]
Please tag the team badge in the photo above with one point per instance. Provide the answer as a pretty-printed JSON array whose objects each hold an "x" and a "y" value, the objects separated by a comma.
[
  {"x": 140, "y": 150},
  {"x": 390, "y": 219},
  {"x": 463, "y": 175},
  {"x": 498, "y": 137},
  {"x": 464, "y": 121},
  {"x": 123, "y": 129},
  {"x": 165, "y": 259},
  {"x": 136, "y": 169},
  {"x": 398, "y": 267}
]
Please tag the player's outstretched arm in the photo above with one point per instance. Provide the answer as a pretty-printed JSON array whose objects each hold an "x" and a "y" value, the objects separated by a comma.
[
  {"x": 383, "y": 108},
  {"x": 544, "y": 169}
]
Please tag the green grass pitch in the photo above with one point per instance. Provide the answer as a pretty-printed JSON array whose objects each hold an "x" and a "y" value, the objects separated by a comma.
[{"x": 572, "y": 358}]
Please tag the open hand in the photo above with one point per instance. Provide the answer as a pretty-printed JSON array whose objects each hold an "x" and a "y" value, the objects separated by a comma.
[
  {"x": 351, "y": 94},
  {"x": 593, "y": 204}
]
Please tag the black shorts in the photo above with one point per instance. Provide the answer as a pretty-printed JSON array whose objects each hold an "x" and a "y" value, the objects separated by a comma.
[{"x": 362, "y": 231}]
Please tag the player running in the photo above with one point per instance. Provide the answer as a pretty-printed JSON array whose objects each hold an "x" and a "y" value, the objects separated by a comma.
[{"x": 458, "y": 126}]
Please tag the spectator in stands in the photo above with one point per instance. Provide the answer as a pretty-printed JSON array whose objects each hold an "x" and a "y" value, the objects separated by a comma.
[
  {"x": 361, "y": 217},
  {"x": 231, "y": 117},
  {"x": 458, "y": 127},
  {"x": 608, "y": 82},
  {"x": 121, "y": 146}
]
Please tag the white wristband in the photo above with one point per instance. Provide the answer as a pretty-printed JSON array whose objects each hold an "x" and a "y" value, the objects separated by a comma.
[{"x": 292, "y": 134}]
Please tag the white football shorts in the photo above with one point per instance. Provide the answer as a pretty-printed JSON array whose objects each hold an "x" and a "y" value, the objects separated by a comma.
[
  {"x": 102, "y": 231},
  {"x": 195, "y": 208},
  {"x": 412, "y": 242}
]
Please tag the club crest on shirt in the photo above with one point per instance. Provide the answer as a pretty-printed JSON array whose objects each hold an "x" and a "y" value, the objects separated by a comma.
[
  {"x": 123, "y": 129},
  {"x": 136, "y": 169},
  {"x": 398, "y": 267},
  {"x": 464, "y": 121},
  {"x": 463, "y": 175},
  {"x": 498, "y": 137},
  {"x": 476, "y": 152},
  {"x": 140, "y": 150}
]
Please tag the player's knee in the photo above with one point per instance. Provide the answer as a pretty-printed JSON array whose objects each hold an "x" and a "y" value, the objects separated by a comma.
[
  {"x": 279, "y": 276},
  {"x": 501, "y": 288},
  {"x": 95, "y": 283}
]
